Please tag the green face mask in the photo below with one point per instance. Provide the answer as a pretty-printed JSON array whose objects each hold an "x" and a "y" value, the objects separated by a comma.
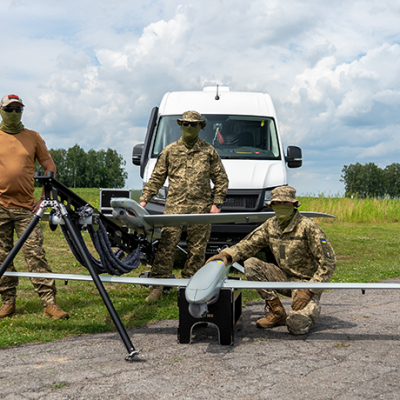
[
  {"x": 190, "y": 135},
  {"x": 284, "y": 213},
  {"x": 11, "y": 122}
]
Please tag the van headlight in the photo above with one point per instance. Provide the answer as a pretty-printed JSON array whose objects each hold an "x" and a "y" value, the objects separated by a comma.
[{"x": 267, "y": 196}]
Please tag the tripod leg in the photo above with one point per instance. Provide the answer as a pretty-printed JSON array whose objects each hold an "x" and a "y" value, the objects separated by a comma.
[
  {"x": 14, "y": 251},
  {"x": 99, "y": 284}
]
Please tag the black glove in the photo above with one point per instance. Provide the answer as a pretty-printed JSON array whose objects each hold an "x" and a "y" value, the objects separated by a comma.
[
  {"x": 301, "y": 299},
  {"x": 223, "y": 256}
]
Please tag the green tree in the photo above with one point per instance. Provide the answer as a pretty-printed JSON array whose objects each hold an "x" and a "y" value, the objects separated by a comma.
[
  {"x": 76, "y": 168},
  {"x": 392, "y": 180},
  {"x": 352, "y": 176},
  {"x": 95, "y": 168},
  {"x": 115, "y": 175},
  {"x": 76, "y": 163},
  {"x": 369, "y": 180},
  {"x": 374, "y": 180},
  {"x": 59, "y": 157}
]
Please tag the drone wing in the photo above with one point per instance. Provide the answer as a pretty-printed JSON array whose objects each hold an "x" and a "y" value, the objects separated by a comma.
[
  {"x": 108, "y": 279},
  {"x": 239, "y": 284}
]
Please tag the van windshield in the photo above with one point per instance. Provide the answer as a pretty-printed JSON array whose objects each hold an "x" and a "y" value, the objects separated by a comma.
[{"x": 233, "y": 136}]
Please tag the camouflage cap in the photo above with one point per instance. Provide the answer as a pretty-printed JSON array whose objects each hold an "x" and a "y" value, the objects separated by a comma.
[
  {"x": 191, "y": 116},
  {"x": 11, "y": 98},
  {"x": 284, "y": 193}
]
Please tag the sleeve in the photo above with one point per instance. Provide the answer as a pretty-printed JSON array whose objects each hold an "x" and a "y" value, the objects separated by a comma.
[
  {"x": 157, "y": 179},
  {"x": 250, "y": 245},
  {"x": 323, "y": 254},
  {"x": 219, "y": 178},
  {"x": 42, "y": 153}
]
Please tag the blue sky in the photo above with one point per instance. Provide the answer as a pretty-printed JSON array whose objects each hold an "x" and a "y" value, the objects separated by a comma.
[{"x": 90, "y": 72}]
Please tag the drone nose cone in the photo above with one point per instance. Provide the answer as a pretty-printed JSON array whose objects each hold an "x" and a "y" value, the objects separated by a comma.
[{"x": 198, "y": 310}]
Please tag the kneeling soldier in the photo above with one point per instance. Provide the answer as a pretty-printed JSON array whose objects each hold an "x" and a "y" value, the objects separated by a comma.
[{"x": 302, "y": 253}]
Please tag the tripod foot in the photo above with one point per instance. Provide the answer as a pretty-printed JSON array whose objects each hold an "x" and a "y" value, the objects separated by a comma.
[{"x": 133, "y": 356}]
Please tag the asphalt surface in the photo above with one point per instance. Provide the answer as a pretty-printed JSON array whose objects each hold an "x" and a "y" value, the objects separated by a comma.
[{"x": 352, "y": 352}]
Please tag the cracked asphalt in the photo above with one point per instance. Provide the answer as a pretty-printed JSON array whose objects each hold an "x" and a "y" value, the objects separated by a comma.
[{"x": 352, "y": 352}]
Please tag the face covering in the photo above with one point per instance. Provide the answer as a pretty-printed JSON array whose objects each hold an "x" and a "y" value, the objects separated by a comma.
[
  {"x": 11, "y": 122},
  {"x": 284, "y": 213},
  {"x": 190, "y": 135}
]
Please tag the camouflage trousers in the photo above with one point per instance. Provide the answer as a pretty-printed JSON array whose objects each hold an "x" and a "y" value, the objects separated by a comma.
[
  {"x": 298, "y": 322},
  {"x": 18, "y": 219},
  {"x": 197, "y": 239}
]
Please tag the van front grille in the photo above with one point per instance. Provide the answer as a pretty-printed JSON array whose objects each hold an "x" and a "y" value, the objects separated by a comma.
[{"x": 240, "y": 201}]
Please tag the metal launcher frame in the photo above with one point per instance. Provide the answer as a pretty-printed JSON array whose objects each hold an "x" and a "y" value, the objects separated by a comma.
[{"x": 66, "y": 202}]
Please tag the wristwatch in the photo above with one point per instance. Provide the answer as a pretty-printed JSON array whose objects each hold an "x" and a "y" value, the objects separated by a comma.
[{"x": 219, "y": 205}]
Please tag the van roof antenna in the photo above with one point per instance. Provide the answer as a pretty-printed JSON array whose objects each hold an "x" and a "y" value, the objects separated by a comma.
[{"x": 217, "y": 96}]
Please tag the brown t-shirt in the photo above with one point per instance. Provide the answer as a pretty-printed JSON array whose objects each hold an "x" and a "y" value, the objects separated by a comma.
[{"x": 18, "y": 154}]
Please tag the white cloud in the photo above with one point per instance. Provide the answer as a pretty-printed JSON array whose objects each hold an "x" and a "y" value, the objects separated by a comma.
[{"x": 90, "y": 72}]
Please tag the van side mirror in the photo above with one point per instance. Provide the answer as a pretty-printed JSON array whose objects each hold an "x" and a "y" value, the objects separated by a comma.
[
  {"x": 137, "y": 154},
  {"x": 294, "y": 157}
]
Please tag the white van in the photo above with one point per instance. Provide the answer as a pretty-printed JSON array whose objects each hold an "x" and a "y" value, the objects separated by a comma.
[{"x": 244, "y": 129}]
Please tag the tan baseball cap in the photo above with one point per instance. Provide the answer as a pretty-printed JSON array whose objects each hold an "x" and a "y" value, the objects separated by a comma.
[{"x": 11, "y": 98}]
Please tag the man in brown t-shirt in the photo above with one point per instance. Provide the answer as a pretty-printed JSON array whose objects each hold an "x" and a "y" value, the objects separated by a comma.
[{"x": 19, "y": 150}]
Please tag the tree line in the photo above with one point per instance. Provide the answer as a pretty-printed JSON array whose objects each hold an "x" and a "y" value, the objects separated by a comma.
[
  {"x": 93, "y": 169},
  {"x": 371, "y": 181}
]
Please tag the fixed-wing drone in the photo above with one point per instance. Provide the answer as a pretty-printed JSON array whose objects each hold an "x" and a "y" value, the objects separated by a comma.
[{"x": 204, "y": 287}]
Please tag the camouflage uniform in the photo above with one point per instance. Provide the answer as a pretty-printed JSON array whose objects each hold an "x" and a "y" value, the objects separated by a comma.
[
  {"x": 189, "y": 172},
  {"x": 18, "y": 219},
  {"x": 303, "y": 254}
]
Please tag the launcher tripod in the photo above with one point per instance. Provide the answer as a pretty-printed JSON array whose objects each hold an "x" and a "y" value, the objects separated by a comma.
[{"x": 56, "y": 194}]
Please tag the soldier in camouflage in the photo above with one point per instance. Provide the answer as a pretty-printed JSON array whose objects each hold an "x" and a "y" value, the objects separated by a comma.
[
  {"x": 190, "y": 164},
  {"x": 302, "y": 253},
  {"x": 19, "y": 150}
]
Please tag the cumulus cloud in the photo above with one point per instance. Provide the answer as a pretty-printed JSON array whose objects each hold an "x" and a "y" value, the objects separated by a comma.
[{"x": 90, "y": 72}]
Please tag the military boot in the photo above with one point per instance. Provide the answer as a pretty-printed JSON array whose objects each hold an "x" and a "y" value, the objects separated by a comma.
[
  {"x": 275, "y": 317},
  {"x": 55, "y": 312},
  {"x": 7, "y": 310},
  {"x": 154, "y": 295}
]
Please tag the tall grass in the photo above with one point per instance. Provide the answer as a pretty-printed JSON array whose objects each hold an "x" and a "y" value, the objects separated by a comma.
[
  {"x": 344, "y": 209},
  {"x": 354, "y": 210}
]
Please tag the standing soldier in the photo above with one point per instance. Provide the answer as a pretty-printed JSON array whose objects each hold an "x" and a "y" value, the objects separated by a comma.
[
  {"x": 189, "y": 164},
  {"x": 19, "y": 150},
  {"x": 302, "y": 253}
]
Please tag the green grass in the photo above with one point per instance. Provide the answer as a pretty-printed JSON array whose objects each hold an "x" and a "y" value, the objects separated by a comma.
[
  {"x": 366, "y": 252},
  {"x": 354, "y": 210}
]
